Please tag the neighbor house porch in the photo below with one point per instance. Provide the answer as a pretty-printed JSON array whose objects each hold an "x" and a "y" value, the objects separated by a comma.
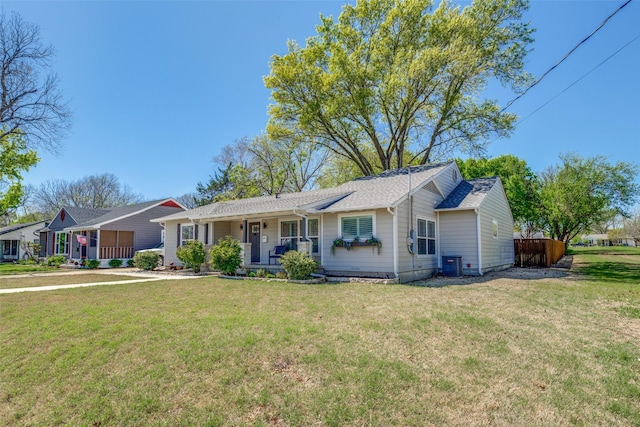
[{"x": 102, "y": 245}]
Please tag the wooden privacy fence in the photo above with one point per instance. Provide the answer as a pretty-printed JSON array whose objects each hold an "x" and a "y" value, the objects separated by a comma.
[{"x": 537, "y": 252}]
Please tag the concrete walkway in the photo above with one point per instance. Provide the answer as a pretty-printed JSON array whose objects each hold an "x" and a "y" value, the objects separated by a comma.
[{"x": 144, "y": 277}]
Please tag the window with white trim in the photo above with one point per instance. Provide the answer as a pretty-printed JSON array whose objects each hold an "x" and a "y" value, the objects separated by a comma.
[
  {"x": 61, "y": 245},
  {"x": 426, "y": 237},
  {"x": 360, "y": 226},
  {"x": 187, "y": 233},
  {"x": 494, "y": 228},
  {"x": 291, "y": 232},
  {"x": 313, "y": 234}
]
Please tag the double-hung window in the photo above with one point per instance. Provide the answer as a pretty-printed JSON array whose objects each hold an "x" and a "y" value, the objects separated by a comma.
[
  {"x": 352, "y": 227},
  {"x": 61, "y": 245},
  {"x": 289, "y": 234},
  {"x": 426, "y": 237},
  {"x": 187, "y": 233}
]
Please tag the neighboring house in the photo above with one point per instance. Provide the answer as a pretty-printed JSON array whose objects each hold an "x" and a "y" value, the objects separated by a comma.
[
  {"x": 14, "y": 238},
  {"x": 604, "y": 240},
  {"x": 105, "y": 234},
  {"x": 418, "y": 214}
]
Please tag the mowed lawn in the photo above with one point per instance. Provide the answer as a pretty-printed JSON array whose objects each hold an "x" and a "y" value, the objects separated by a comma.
[
  {"x": 508, "y": 350},
  {"x": 53, "y": 279}
]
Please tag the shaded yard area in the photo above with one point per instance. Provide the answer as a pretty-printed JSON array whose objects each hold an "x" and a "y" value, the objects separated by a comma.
[{"x": 511, "y": 349}]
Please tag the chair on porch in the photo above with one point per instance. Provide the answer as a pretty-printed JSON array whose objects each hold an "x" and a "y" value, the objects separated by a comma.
[{"x": 277, "y": 252}]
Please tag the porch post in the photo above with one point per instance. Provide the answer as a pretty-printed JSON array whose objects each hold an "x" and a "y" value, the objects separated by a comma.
[
  {"x": 245, "y": 255},
  {"x": 245, "y": 231}
]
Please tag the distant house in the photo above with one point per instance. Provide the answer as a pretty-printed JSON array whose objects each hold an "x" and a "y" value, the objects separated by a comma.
[
  {"x": 398, "y": 224},
  {"x": 104, "y": 234},
  {"x": 604, "y": 240},
  {"x": 13, "y": 239}
]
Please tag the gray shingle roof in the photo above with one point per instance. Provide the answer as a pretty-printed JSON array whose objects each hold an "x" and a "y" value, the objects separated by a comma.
[
  {"x": 468, "y": 194},
  {"x": 112, "y": 214},
  {"x": 381, "y": 191},
  {"x": 14, "y": 227},
  {"x": 81, "y": 215}
]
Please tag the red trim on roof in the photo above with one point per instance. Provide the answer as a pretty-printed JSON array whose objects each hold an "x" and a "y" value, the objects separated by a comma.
[{"x": 171, "y": 204}]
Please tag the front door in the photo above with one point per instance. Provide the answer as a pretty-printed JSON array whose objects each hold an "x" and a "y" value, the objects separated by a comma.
[{"x": 254, "y": 239}]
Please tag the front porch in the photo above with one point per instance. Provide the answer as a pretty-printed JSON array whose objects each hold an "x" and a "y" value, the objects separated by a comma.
[{"x": 103, "y": 245}]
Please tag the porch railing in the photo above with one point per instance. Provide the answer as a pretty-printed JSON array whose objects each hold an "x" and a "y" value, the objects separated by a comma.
[{"x": 110, "y": 252}]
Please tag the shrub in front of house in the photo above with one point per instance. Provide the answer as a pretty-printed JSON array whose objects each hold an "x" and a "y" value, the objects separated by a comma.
[
  {"x": 56, "y": 260},
  {"x": 92, "y": 263},
  {"x": 298, "y": 265},
  {"x": 192, "y": 254},
  {"x": 130, "y": 262},
  {"x": 225, "y": 256},
  {"x": 146, "y": 260},
  {"x": 115, "y": 263}
]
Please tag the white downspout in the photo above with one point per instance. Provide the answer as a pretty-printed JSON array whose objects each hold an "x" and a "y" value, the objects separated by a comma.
[
  {"x": 395, "y": 241},
  {"x": 479, "y": 243},
  {"x": 439, "y": 255}
]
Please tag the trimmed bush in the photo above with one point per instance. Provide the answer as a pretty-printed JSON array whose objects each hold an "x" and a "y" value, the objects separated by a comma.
[
  {"x": 146, "y": 260},
  {"x": 130, "y": 263},
  {"x": 192, "y": 254},
  {"x": 92, "y": 263},
  {"x": 298, "y": 265},
  {"x": 56, "y": 260},
  {"x": 225, "y": 256},
  {"x": 115, "y": 263}
]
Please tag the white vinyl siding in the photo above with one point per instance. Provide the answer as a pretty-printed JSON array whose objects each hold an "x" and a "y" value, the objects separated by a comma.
[
  {"x": 496, "y": 225},
  {"x": 363, "y": 260}
]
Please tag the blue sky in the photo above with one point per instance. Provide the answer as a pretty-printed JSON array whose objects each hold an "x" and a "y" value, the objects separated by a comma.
[{"x": 159, "y": 87}]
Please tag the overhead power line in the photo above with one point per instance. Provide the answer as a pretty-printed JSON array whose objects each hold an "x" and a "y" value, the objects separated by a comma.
[
  {"x": 581, "y": 77},
  {"x": 602, "y": 24}
]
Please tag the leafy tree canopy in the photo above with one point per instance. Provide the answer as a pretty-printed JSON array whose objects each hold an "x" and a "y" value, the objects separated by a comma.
[
  {"x": 632, "y": 227},
  {"x": 400, "y": 77},
  {"x": 520, "y": 185},
  {"x": 15, "y": 159},
  {"x": 263, "y": 166},
  {"x": 581, "y": 192}
]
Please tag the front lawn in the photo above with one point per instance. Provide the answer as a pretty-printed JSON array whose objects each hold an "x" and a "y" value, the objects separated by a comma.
[
  {"x": 26, "y": 281},
  {"x": 11, "y": 268},
  {"x": 503, "y": 351}
]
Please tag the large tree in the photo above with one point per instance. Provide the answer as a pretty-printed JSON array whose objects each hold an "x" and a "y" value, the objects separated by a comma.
[
  {"x": 263, "y": 166},
  {"x": 94, "y": 191},
  {"x": 581, "y": 192},
  {"x": 393, "y": 82},
  {"x": 520, "y": 185},
  {"x": 31, "y": 104},
  {"x": 15, "y": 159},
  {"x": 632, "y": 227}
]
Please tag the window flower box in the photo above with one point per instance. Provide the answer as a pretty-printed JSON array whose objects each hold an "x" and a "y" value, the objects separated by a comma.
[{"x": 348, "y": 244}]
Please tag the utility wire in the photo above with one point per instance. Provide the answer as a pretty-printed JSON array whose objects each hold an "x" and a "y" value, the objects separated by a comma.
[
  {"x": 582, "y": 77},
  {"x": 602, "y": 24}
]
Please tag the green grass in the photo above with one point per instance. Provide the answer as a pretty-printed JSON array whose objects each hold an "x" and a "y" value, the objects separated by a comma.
[
  {"x": 215, "y": 352},
  {"x": 11, "y": 268},
  {"x": 23, "y": 281}
]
